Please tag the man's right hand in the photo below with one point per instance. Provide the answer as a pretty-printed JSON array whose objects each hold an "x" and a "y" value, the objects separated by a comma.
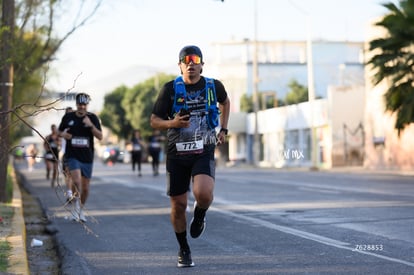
[
  {"x": 65, "y": 134},
  {"x": 182, "y": 119}
]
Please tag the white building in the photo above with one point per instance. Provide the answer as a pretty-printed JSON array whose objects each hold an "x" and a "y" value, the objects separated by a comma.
[{"x": 285, "y": 133}]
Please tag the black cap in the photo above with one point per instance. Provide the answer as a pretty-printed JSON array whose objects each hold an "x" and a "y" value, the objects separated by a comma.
[
  {"x": 191, "y": 49},
  {"x": 82, "y": 98}
]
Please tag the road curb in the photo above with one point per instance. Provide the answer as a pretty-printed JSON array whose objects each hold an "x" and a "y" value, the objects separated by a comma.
[{"x": 18, "y": 263}]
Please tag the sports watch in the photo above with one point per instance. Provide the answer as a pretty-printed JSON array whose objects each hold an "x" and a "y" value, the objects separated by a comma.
[{"x": 224, "y": 130}]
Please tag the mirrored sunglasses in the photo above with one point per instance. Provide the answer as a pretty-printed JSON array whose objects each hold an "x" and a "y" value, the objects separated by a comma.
[{"x": 191, "y": 58}]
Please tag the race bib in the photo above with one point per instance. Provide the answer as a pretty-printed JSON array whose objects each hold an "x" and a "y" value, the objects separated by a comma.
[
  {"x": 49, "y": 156},
  {"x": 80, "y": 142},
  {"x": 137, "y": 147},
  {"x": 190, "y": 147},
  {"x": 155, "y": 145}
]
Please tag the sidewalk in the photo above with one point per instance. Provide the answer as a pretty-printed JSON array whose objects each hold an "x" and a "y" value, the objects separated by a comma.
[{"x": 18, "y": 263}]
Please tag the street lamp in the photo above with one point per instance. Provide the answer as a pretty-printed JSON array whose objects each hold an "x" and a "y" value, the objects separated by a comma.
[
  {"x": 311, "y": 94},
  {"x": 311, "y": 86},
  {"x": 311, "y": 89},
  {"x": 256, "y": 141}
]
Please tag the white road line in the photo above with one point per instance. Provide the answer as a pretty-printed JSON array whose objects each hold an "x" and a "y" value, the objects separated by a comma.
[
  {"x": 285, "y": 229},
  {"x": 318, "y": 186},
  {"x": 304, "y": 234}
]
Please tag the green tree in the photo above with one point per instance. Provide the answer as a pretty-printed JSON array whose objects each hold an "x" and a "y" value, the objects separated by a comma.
[
  {"x": 267, "y": 100},
  {"x": 280, "y": 102},
  {"x": 27, "y": 28},
  {"x": 139, "y": 101},
  {"x": 113, "y": 114},
  {"x": 297, "y": 94},
  {"x": 393, "y": 61},
  {"x": 246, "y": 103},
  {"x": 34, "y": 46}
]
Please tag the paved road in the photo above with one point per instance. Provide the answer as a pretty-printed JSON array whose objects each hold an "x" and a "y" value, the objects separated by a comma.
[{"x": 263, "y": 221}]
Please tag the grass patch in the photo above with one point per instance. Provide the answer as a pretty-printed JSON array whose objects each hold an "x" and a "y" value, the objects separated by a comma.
[
  {"x": 6, "y": 215},
  {"x": 4, "y": 255},
  {"x": 9, "y": 184}
]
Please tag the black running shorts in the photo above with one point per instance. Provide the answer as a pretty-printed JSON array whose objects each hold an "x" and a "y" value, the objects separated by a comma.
[{"x": 180, "y": 171}]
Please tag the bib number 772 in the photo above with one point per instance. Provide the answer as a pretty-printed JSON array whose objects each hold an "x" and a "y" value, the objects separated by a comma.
[{"x": 189, "y": 146}]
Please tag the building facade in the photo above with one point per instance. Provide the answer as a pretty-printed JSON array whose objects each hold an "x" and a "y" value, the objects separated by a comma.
[{"x": 286, "y": 134}]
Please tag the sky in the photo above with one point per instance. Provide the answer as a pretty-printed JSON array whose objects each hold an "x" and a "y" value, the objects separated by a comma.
[{"x": 128, "y": 41}]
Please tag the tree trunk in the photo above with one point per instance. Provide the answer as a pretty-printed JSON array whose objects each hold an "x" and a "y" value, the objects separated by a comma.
[{"x": 6, "y": 90}]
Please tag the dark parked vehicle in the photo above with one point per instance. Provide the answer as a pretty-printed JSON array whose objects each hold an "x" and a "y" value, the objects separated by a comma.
[{"x": 112, "y": 154}]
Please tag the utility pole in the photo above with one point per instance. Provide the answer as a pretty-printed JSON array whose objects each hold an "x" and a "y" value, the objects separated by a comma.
[
  {"x": 6, "y": 89},
  {"x": 256, "y": 141},
  {"x": 311, "y": 89},
  {"x": 311, "y": 96}
]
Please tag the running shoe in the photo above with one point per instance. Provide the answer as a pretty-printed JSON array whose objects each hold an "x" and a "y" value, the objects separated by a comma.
[
  {"x": 184, "y": 258},
  {"x": 75, "y": 216},
  {"x": 82, "y": 217},
  {"x": 75, "y": 210},
  {"x": 197, "y": 227},
  {"x": 69, "y": 197}
]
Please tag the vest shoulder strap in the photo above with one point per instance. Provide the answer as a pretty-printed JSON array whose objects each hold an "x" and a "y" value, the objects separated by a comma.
[
  {"x": 180, "y": 95},
  {"x": 210, "y": 92}
]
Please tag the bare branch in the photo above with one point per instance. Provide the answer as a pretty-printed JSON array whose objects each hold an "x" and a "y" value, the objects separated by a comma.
[{"x": 80, "y": 24}]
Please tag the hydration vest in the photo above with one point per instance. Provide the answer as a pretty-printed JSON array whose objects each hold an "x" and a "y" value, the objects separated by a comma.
[{"x": 212, "y": 111}]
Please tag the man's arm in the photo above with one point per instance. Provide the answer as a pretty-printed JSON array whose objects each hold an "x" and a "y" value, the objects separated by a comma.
[
  {"x": 224, "y": 120},
  {"x": 163, "y": 124},
  {"x": 95, "y": 131},
  {"x": 225, "y": 113}
]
